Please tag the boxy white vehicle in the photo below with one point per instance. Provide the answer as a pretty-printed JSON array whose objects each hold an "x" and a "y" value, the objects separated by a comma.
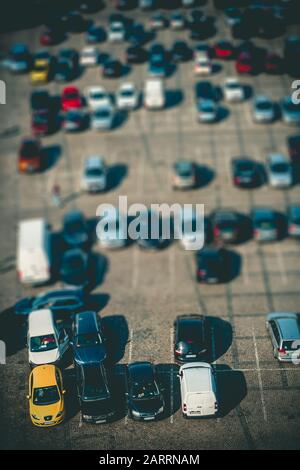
[
  {"x": 46, "y": 342},
  {"x": 154, "y": 94},
  {"x": 198, "y": 390},
  {"x": 34, "y": 252}
]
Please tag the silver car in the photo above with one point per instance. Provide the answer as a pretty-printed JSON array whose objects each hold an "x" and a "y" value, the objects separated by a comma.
[
  {"x": 207, "y": 111},
  {"x": 263, "y": 109},
  {"x": 284, "y": 331},
  {"x": 290, "y": 111},
  {"x": 102, "y": 118},
  {"x": 94, "y": 176},
  {"x": 279, "y": 168}
]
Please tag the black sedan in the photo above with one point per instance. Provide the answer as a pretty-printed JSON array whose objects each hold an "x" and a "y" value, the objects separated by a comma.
[
  {"x": 192, "y": 338},
  {"x": 112, "y": 68},
  {"x": 246, "y": 173},
  {"x": 59, "y": 301},
  {"x": 181, "y": 52},
  {"x": 88, "y": 339},
  {"x": 226, "y": 226},
  {"x": 212, "y": 265},
  {"x": 136, "y": 55},
  {"x": 144, "y": 398},
  {"x": 74, "y": 269},
  {"x": 75, "y": 230}
]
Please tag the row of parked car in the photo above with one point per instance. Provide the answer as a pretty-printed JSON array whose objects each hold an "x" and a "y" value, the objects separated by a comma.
[{"x": 193, "y": 347}]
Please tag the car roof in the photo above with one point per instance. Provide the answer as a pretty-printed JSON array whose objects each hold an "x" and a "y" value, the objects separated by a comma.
[
  {"x": 289, "y": 328},
  {"x": 40, "y": 322},
  {"x": 94, "y": 161},
  {"x": 190, "y": 319},
  {"x": 198, "y": 376},
  {"x": 44, "y": 376},
  {"x": 86, "y": 322},
  {"x": 141, "y": 370}
]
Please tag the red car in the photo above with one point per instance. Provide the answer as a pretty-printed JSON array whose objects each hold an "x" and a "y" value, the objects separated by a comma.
[
  {"x": 244, "y": 63},
  {"x": 30, "y": 156},
  {"x": 71, "y": 99},
  {"x": 273, "y": 63},
  {"x": 50, "y": 37},
  {"x": 40, "y": 123},
  {"x": 224, "y": 50}
]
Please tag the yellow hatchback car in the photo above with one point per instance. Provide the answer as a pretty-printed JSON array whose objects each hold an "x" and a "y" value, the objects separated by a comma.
[
  {"x": 40, "y": 72},
  {"x": 46, "y": 396}
]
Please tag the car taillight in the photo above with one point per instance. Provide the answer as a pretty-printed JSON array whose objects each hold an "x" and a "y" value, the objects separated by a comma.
[
  {"x": 201, "y": 272},
  {"x": 281, "y": 351},
  {"x": 177, "y": 353},
  {"x": 237, "y": 180},
  {"x": 19, "y": 275},
  {"x": 216, "y": 231},
  {"x": 256, "y": 232},
  {"x": 184, "y": 407}
]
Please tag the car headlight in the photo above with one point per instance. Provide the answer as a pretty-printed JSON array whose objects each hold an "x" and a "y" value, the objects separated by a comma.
[
  {"x": 59, "y": 414},
  {"x": 35, "y": 417},
  {"x": 161, "y": 409},
  {"x": 135, "y": 413}
]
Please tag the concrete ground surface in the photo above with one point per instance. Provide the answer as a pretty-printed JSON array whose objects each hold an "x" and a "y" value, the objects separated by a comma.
[{"x": 140, "y": 293}]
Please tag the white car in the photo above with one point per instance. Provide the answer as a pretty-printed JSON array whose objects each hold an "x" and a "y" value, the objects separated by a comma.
[
  {"x": 263, "y": 109},
  {"x": 94, "y": 174},
  {"x": 207, "y": 111},
  {"x": 46, "y": 342},
  {"x": 127, "y": 97},
  {"x": 198, "y": 389},
  {"x": 102, "y": 118},
  {"x": 116, "y": 32},
  {"x": 112, "y": 234},
  {"x": 89, "y": 57},
  {"x": 233, "y": 90},
  {"x": 279, "y": 169},
  {"x": 97, "y": 97},
  {"x": 202, "y": 66}
]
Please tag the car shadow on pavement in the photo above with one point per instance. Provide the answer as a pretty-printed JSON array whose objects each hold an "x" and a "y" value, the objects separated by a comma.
[
  {"x": 232, "y": 388},
  {"x": 204, "y": 176},
  {"x": 116, "y": 174},
  {"x": 173, "y": 98},
  {"x": 13, "y": 330},
  {"x": 169, "y": 385},
  {"x": 221, "y": 338},
  {"x": 116, "y": 331},
  {"x": 51, "y": 154}
]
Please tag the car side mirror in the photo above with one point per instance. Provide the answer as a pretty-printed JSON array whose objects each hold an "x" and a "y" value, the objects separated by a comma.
[
  {"x": 63, "y": 392},
  {"x": 28, "y": 397}
]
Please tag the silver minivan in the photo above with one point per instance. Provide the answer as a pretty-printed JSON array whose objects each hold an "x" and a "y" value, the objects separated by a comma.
[{"x": 284, "y": 331}]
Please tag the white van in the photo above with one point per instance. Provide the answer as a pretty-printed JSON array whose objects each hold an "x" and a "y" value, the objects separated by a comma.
[
  {"x": 46, "y": 342},
  {"x": 198, "y": 390},
  {"x": 34, "y": 252},
  {"x": 154, "y": 94}
]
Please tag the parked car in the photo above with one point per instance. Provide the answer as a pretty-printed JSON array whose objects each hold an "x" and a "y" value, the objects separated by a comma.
[
  {"x": 184, "y": 174},
  {"x": 180, "y": 51},
  {"x": 265, "y": 224},
  {"x": 245, "y": 63},
  {"x": 42, "y": 123},
  {"x": 207, "y": 111},
  {"x": 102, "y": 118},
  {"x": 144, "y": 398},
  {"x": 154, "y": 94},
  {"x": 192, "y": 338},
  {"x": 71, "y": 99},
  {"x": 112, "y": 69},
  {"x": 293, "y": 216},
  {"x": 136, "y": 55},
  {"x": 198, "y": 388},
  {"x": 67, "y": 65},
  {"x": 75, "y": 269},
  {"x": 127, "y": 97},
  {"x": 233, "y": 90},
  {"x": 294, "y": 148},
  {"x": 177, "y": 21},
  {"x": 74, "y": 120},
  {"x": 64, "y": 301},
  {"x": 95, "y": 34},
  {"x": 284, "y": 331},
  {"x": 203, "y": 66},
  {"x": 47, "y": 342},
  {"x": 232, "y": 15},
  {"x": 46, "y": 396},
  {"x": 113, "y": 234},
  {"x": 212, "y": 265},
  {"x": 40, "y": 100},
  {"x": 41, "y": 70},
  {"x": 31, "y": 157},
  {"x": 290, "y": 111},
  {"x": 116, "y": 32},
  {"x": 158, "y": 21},
  {"x": 224, "y": 50},
  {"x": 246, "y": 173},
  {"x": 88, "y": 342},
  {"x": 51, "y": 36},
  {"x": 279, "y": 169},
  {"x": 19, "y": 60},
  {"x": 226, "y": 225},
  {"x": 263, "y": 110},
  {"x": 97, "y": 97},
  {"x": 75, "y": 231},
  {"x": 273, "y": 63},
  {"x": 94, "y": 174},
  {"x": 202, "y": 50},
  {"x": 95, "y": 397},
  {"x": 89, "y": 56}
]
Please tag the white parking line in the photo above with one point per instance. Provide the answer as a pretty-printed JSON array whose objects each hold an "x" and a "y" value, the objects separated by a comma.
[
  {"x": 281, "y": 266},
  {"x": 171, "y": 378},
  {"x": 259, "y": 378},
  {"x": 135, "y": 267}
]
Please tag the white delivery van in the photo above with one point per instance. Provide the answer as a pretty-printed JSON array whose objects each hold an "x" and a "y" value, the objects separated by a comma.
[
  {"x": 34, "y": 251},
  {"x": 154, "y": 94},
  {"x": 198, "y": 390},
  {"x": 46, "y": 343}
]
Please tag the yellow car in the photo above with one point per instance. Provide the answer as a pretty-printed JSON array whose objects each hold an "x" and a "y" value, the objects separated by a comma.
[
  {"x": 40, "y": 72},
  {"x": 46, "y": 396}
]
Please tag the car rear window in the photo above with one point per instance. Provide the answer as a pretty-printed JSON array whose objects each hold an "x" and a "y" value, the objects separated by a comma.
[{"x": 42, "y": 343}]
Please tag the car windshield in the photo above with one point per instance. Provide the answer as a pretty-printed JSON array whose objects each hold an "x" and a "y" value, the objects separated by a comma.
[
  {"x": 105, "y": 113},
  {"x": 184, "y": 169},
  {"x": 245, "y": 166},
  {"x": 73, "y": 263},
  {"x": 233, "y": 85},
  {"x": 263, "y": 105},
  {"x": 127, "y": 93},
  {"x": 146, "y": 390},
  {"x": 42, "y": 343},
  {"x": 74, "y": 226},
  {"x": 94, "y": 385},
  {"x": 46, "y": 395},
  {"x": 280, "y": 168},
  {"x": 98, "y": 95},
  {"x": 40, "y": 68},
  {"x": 87, "y": 340},
  {"x": 39, "y": 118},
  {"x": 71, "y": 96},
  {"x": 190, "y": 331},
  {"x": 290, "y": 106},
  {"x": 28, "y": 150},
  {"x": 266, "y": 224},
  {"x": 91, "y": 172}
]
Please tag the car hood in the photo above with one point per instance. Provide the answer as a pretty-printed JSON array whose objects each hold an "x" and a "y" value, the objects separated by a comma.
[
  {"x": 44, "y": 357},
  {"x": 47, "y": 410},
  {"x": 90, "y": 355},
  {"x": 147, "y": 406}
]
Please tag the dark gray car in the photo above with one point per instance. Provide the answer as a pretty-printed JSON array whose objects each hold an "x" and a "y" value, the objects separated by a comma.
[{"x": 88, "y": 340}]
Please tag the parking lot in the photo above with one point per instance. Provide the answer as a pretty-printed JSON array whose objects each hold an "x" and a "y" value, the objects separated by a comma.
[{"x": 139, "y": 294}]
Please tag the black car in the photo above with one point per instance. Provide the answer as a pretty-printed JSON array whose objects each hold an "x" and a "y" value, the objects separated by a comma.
[
  {"x": 291, "y": 52},
  {"x": 95, "y": 398},
  {"x": 136, "y": 35},
  {"x": 74, "y": 269},
  {"x": 59, "y": 301},
  {"x": 144, "y": 398},
  {"x": 212, "y": 265},
  {"x": 136, "y": 55},
  {"x": 95, "y": 34},
  {"x": 246, "y": 173},
  {"x": 181, "y": 52},
  {"x": 192, "y": 338},
  {"x": 125, "y": 4},
  {"x": 40, "y": 100},
  {"x": 157, "y": 53},
  {"x": 67, "y": 65},
  {"x": 226, "y": 226},
  {"x": 75, "y": 231},
  {"x": 150, "y": 234},
  {"x": 205, "y": 90},
  {"x": 293, "y": 216},
  {"x": 88, "y": 341},
  {"x": 294, "y": 148},
  {"x": 112, "y": 68}
]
